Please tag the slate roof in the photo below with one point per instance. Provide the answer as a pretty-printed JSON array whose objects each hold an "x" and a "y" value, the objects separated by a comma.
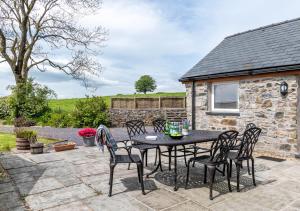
[{"x": 270, "y": 48}]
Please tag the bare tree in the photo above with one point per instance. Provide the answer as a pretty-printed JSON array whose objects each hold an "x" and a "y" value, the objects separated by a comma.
[{"x": 34, "y": 32}]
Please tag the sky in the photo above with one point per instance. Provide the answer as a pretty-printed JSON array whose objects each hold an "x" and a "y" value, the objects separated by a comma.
[{"x": 161, "y": 38}]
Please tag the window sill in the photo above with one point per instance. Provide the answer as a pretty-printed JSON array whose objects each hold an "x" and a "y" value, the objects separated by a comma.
[{"x": 215, "y": 113}]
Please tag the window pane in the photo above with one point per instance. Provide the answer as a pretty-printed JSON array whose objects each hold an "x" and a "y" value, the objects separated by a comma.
[{"x": 226, "y": 96}]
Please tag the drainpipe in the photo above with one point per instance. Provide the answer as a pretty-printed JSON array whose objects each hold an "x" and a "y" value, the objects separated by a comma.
[
  {"x": 298, "y": 119},
  {"x": 193, "y": 105}
]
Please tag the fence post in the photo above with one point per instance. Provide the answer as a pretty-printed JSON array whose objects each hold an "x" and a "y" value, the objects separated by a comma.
[
  {"x": 134, "y": 102},
  {"x": 159, "y": 102}
]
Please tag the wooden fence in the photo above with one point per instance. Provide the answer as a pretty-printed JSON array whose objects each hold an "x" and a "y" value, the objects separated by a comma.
[{"x": 148, "y": 103}]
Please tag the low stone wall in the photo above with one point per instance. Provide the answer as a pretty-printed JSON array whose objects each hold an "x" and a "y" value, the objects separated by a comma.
[{"x": 118, "y": 117}]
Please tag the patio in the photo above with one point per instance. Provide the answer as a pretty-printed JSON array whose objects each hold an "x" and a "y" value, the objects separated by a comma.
[{"x": 78, "y": 180}]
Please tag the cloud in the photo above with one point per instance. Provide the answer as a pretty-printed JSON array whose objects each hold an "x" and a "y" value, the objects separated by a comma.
[{"x": 163, "y": 39}]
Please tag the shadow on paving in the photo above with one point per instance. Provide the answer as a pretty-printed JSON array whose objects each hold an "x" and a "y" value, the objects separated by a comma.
[{"x": 220, "y": 185}]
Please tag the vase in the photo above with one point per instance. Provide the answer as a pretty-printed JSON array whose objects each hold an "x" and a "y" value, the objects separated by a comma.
[{"x": 89, "y": 141}]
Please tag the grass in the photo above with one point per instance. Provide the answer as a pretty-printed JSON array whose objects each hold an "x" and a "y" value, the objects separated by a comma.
[
  {"x": 8, "y": 141},
  {"x": 69, "y": 104}
]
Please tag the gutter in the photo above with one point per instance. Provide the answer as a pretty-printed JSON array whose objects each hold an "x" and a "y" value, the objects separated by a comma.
[{"x": 249, "y": 72}]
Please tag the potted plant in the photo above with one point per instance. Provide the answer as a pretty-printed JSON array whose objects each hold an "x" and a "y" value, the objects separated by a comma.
[
  {"x": 88, "y": 136},
  {"x": 35, "y": 147},
  {"x": 22, "y": 142}
]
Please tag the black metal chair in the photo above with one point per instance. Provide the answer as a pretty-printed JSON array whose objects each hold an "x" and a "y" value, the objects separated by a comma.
[
  {"x": 237, "y": 143},
  {"x": 123, "y": 159},
  {"x": 159, "y": 125},
  {"x": 219, "y": 154},
  {"x": 137, "y": 127},
  {"x": 245, "y": 152}
]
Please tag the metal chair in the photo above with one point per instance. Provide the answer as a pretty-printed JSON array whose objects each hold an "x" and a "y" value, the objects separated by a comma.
[
  {"x": 236, "y": 145},
  {"x": 219, "y": 154},
  {"x": 116, "y": 159},
  {"x": 159, "y": 125},
  {"x": 137, "y": 127},
  {"x": 245, "y": 152}
]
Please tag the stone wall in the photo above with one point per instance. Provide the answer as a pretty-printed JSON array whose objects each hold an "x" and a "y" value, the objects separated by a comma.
[
  {"x": 118, "y": 117},
  {"x": 260, "y": 102}
]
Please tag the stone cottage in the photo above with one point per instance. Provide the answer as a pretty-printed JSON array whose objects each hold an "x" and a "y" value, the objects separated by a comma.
[{"x": 253, "y": 76}]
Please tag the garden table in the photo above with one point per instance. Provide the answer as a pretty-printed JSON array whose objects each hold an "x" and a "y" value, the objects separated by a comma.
[{"x": 195, "y": 136}]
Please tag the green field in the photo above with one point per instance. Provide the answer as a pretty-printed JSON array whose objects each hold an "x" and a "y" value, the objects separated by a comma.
[
  {"x": 8, "y": 141},
  {"x": 69, "y": 104}
]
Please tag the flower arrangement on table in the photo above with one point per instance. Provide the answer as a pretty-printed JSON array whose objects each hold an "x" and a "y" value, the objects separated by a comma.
[{"x": 88, "y": 135}]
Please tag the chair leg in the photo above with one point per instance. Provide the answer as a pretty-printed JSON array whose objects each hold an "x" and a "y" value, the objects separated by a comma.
[
  {"x": 205, "y": 174},
  {"x": 195, "y": 154},
  {"x": 139, "y": 173},
  {"x": 230, "y": 168},
  {"x": 187, "y": 174},
  {"x": 170, "y": 153},
  {"x": 111, "y": 176},
  {"x": 146, "y": 158},
  {"x": 143, "y": 152},
  {"x": 140, "y": 169},
  {"x": 129, "y": 163},
  {"x": 156, "y": 151},
  {"x": 253, "y": 176},
  {"x": 238, "y": 166},
  {"x": 248, "y": 167},
  {"x": 184, "y": 155},
  {"x": 223, "y": 171},
  {"x": 228, "y": 177},
  {"x": 211, "y": 172}
]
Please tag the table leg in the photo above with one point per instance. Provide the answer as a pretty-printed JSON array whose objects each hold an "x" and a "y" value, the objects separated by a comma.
[
  {"x": 175, "y": 168},
  {"x": 159, "y": 165}
]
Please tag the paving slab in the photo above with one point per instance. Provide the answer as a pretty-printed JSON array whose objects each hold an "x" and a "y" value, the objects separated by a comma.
[
  {"x": 187, "y": 206},
  {"x": 59, "y": 196},
  {"x": 124, "y": 203},
  {"x": 78, "y": 206},
  {"x": 10, "y": 200},
  {"x": 13, "y": 163},
  {"x": 39, "y": 186},
  {"x": 160, "y": 199},
  {"x": 6, "y": 187}
]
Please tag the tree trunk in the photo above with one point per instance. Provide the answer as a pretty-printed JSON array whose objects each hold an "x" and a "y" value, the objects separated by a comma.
[{"x": 20, "y": 83}]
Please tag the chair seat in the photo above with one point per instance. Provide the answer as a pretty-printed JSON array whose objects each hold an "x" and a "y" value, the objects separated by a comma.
[
  {"x": 203, "y": 149},
  {"x": 144, "y": 146},
  {"x": 206, "y": 159},
  {"x": 126, "y": 159},
  {"x": 232, "y": 155}
]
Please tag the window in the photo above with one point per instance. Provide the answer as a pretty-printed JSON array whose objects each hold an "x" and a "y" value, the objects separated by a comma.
[{"x": 225, "y": 97}]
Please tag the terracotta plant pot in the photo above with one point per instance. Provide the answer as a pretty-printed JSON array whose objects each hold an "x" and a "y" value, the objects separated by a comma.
[
  {"x": 37, "y": 148},
  {"x": 22, "y": 144},
  {"x": 63, "y": 147},
  {"x": 89, "y": 141}
]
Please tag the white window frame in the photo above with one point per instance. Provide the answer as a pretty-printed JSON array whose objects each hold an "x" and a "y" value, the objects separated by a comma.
[{"x": 225, "y": 110}]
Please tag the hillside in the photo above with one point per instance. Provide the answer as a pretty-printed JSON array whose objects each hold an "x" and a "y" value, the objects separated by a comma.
[{"x": 68, "y": 104}]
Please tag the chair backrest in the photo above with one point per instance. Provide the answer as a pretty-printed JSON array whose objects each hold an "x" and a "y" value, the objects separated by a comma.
[
  {"x": 135, "y": 127},
  {"x": 104, "y": 136},
  {"x": 159, "y": 125},
  {"x": 221, "y": 147},
  {"x": 250, "y": 125},
  {"x": 248, "y": 143}
]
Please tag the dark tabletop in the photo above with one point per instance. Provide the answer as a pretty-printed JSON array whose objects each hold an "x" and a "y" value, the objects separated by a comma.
[{"x": 195, "y": 136}]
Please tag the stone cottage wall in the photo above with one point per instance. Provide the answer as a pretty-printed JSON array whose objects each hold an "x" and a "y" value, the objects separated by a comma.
[{"x": 260, "y": 102}]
